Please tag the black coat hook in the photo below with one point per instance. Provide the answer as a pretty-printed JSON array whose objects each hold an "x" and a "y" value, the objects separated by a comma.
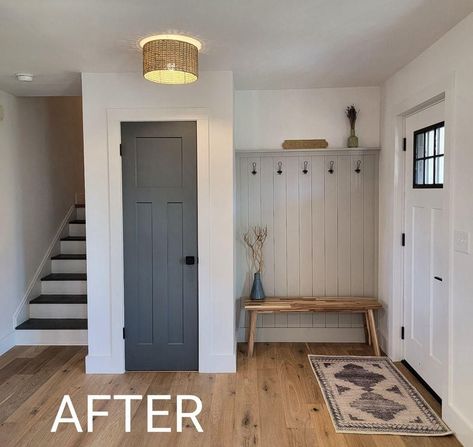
[
  {"x": 254, "y": 171},
  {"x": 330, "y": 169},
  {"x": 358, "y": 164},
  {"x": 305, "y": 170},
  {"x": 279, "y": 171}
]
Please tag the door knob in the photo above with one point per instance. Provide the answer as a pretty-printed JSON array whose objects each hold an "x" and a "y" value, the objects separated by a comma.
[{"x": 190, "y": 260}]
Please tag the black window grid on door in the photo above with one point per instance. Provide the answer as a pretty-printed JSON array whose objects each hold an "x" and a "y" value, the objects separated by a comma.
[{"x": 428, "y": 156}]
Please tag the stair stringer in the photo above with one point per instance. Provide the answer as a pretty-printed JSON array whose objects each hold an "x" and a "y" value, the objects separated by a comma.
[{"x": 34, "y": 287}]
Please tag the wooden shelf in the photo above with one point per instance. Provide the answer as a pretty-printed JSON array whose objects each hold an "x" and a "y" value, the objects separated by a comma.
[{"x": 293, "y": 152}]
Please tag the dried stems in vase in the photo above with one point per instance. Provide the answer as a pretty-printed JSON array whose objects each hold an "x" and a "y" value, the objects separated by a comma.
[
  {"x": 255, "y": 238},
  {"x": 351, "y": 113}
]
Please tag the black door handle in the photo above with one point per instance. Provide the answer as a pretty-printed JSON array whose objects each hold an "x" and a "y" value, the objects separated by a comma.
[
  {"x": 190, "y": 260},
  {"x": 438, "y": 278}
]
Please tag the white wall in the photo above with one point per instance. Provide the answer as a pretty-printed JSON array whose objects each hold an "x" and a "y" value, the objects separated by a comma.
[
  {"x": 321, "y": 236},
  {"x": 448, "y": 61},
  {"x": 104, "y": 94},
  {"x": 40, "y": 172},
  {"x": 265, "y": 118}
]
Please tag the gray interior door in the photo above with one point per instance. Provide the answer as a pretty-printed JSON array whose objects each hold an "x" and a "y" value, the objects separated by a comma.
[{"x": 159, "y": 166}]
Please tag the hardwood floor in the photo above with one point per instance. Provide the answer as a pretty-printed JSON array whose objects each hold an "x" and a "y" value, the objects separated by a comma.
[{"x": 272, "y": 401}]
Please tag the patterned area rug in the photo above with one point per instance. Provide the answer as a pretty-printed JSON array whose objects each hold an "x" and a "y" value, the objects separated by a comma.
[{"x": 369, "y": 395}]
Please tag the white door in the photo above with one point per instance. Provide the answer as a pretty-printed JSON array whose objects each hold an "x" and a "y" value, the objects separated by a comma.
[{"x": 425, "y": 298}]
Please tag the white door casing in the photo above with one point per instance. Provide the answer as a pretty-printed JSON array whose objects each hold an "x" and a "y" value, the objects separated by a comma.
[{"x": 425, "y": 266}]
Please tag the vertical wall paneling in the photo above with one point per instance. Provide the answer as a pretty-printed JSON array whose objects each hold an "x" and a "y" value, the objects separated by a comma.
[
  {"x": 243, "y": 266},
  {"x": 254, "y": 200},
  {"x": 356, "y": 232},
  {"x": 343, "y": 233},
  {"x": 356, "y": 225},
  {"x": 267, "y": 213},
  {"x": 343, "y": 225},
  {"x": 305, "y": 234},
  {"x": 321, "y": 230},
  {"x": 318, "y": 232},
  {"x": 280, "y": 234},
  {"x": 369, "y": 226},
  {"x": 331, "y": 226},
  {"x": 292, "y": 234}
]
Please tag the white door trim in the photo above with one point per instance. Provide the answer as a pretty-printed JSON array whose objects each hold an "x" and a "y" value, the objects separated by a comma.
[
  {"x": 114, "y": 118},
  {"x": 442, "y": 89}
]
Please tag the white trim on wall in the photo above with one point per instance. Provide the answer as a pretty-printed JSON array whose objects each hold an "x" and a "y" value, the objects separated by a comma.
[{"x": 115, "y": 361}]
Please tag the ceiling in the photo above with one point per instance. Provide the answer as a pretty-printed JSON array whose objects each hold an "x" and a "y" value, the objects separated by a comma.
[{"x": 268, "y": 44}]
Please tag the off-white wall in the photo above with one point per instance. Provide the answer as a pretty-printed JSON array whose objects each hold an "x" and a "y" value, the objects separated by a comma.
[
  {"x": 265, "y": 118},
  {"x": 40, "y": 172},
  {"x": 116, "y": 95},
  {"x": 448, "y": 62}
]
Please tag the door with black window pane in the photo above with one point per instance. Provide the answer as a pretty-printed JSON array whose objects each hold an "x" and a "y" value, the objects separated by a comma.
[
  {"x": 425, "y": 272},
  {"x": 159, "y": 168}
]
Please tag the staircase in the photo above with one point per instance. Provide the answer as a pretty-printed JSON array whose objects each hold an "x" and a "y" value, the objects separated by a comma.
[{"x": 59, "y": 315}]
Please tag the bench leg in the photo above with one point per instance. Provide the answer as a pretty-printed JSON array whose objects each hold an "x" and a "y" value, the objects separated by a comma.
[
  {"x": 252, "y": 332},
  {"x": 367, "y": 328},
  {"x": 374, "y": 335}
]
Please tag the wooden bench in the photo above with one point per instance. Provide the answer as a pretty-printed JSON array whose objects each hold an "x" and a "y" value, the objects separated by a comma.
[{"x": 314, "y": 304}]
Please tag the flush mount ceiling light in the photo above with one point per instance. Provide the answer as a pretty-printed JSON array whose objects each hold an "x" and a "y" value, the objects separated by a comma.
[{"x": 170, "y": 59}]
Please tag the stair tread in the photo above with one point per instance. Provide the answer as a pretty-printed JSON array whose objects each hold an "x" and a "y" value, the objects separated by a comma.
[
  {"x": 80, "y": 205},
  {"x": 70, "y": 256},
  {"x": 53, "y": 323},
  {"x": 60, "y": 299},
  {"x": 77, "y": 221},
  {"x": 73, "y": 238},
  {"x": 65, "y": 277}
]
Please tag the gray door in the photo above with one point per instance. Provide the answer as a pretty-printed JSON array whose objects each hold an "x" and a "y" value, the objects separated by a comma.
[{"x": 159, "y": 166}]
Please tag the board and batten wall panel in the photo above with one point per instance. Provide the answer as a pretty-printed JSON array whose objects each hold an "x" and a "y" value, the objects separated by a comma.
[{"x": 322, "y": 236}]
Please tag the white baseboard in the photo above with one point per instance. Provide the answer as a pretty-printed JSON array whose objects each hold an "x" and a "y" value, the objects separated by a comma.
[
  {"x": 108, "y": 365},
  {"x": 34, "y": 287},
  {"x": 219, "y": 363},
  {"x": 307, "y": 334},
  {"x": 62, "y": 337},
  {"x": 7, "y": 342},
  {"x": 462, "y": 428},
  {"x": 101, "y": 364}
]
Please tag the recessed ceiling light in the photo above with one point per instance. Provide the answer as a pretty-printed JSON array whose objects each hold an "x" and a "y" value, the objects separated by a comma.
[
  {"x": 24, "y": 77},
  {"x": 170, "y": 59}
]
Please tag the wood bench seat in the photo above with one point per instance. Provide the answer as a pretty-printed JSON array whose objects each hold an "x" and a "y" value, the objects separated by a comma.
[{"x": 367, "y": 306}]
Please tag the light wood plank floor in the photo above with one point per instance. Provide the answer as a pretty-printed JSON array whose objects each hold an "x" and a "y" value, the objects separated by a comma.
[{"x": 272, "y": 401}]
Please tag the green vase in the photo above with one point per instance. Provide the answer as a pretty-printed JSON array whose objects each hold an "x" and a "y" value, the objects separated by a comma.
[{"x": 352, "y": 139}]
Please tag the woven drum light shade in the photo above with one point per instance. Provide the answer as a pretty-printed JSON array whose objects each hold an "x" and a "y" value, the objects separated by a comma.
[{"x": 170, "y": 60}]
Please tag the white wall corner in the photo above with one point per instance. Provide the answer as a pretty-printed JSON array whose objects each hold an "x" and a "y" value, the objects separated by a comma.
[{"x": 34, "y": 287}]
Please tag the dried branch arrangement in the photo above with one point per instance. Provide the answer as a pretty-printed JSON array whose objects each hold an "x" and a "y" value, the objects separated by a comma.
[
  {"x": 254, "y": 238},
  {"x": 351, "y": 113}
]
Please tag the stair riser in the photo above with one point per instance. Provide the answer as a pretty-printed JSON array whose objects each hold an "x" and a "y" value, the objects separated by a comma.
[
  {"x": 69, "y": 266},
  {"x": 80, "y": 214},
  {"x": 58, "y": 310},
  {"x": 51, "y": 337},
  {"x": 64, "y": 287},
  {"x": 76, "y": 229},
  {"x": 72, "y": 247}
]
